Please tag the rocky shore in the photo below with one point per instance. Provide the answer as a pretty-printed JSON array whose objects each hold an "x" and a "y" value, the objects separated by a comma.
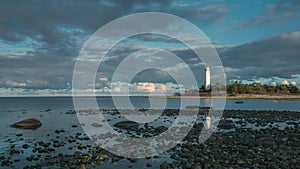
[{"x": 243, "y": 139}]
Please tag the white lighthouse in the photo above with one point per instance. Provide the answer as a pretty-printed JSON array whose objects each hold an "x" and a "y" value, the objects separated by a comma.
[{"x": 207, "y": 78}]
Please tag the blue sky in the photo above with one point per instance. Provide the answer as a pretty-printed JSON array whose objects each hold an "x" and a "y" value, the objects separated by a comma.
[{"x": 40, "y": 41}]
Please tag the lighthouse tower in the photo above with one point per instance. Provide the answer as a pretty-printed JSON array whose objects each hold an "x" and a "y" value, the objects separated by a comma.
[{"x": 207, "y": 78}]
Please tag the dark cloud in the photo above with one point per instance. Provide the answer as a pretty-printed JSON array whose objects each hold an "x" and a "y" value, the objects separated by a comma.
[
  {"x": 206, "y": 15},
  {"x": 277, "y": 56},
  {"x": 41, "y": 19},
  {"x": 274, "y": 13},
  {"x": 122, "y": 50},
  {"x": 44, "y": 17},
  {"x": 157, "y": 38}
]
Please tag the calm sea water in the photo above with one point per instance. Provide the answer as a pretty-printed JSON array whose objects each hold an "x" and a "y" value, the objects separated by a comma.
[{"x": 36, "y": 104}]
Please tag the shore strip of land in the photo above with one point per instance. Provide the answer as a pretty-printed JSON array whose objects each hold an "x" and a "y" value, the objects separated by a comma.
[{"x": 246, "y": 96}]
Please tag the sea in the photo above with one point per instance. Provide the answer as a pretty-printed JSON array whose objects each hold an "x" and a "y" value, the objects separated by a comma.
[
  {"x": 52, "y": 113},
  {"x": 36, "y": 104}
]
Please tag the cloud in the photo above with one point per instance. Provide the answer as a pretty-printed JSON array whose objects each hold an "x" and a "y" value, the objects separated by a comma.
[
  {"x": 103, "y": 79},
  {"x": 47, "y": 20},
  {"x": 41, "y": 40},
  {"x": 285, "y": 82},
  {"x": 145, "y": 87},
  {"x": 274, "y": 13},
  {"x": 157, "y": 38},
  {"x": 276, "y": 56},
  {"x": 205, "y": 15}
]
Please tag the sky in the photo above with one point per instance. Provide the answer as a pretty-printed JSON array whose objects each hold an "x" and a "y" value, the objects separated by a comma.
[{"x": 40, "y": 42}]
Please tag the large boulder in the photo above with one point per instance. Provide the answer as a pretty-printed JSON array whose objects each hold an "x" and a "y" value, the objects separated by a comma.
[
  {"x": 126, "y": 124},
  {"x": 226, "y": 124},
  {"x": 31, "y": 123}
]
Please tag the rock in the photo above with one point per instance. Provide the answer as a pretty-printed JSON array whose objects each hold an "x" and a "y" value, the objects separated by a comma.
[
  {"x": 25, "y": 146},
  {"x": 197, "y": 167},
  {"x": 47, "y": 157},
  {"x": 2, "y": 158},
  {"x": 164, "y": 165},
  {"x": 81, "y": 146},
  {"x": 240, "y": 162},
  {"x": 161, "y": 129},
  {"x": 31, "y": 123},
  {"x": 17, "y": 160},
  {"x": 226, "y": 124},
  {"x": 146, "y": 125},
  {"x": 89, "y": 157},
  {"x": 133, "y": 160},
  {"x": 101, "y": 158},
  {"x": 71, "y": 140},
  {"x": 81, "y": 166},
  {"x": 149, "y": 164},
  {"x": 126, "y": 124},
  {"x": 56, "y": 145},
  {"x": 115, "y": 159},
  {"x": 97, "y": 125},
  {"x": 72, "y": 166}
]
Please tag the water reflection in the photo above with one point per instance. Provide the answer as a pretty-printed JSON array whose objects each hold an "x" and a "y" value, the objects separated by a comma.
[{"x": 207, "y": 122}]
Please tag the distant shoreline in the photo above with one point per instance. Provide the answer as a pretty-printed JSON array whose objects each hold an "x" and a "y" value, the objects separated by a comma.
[{"x": 237, "y": 97}]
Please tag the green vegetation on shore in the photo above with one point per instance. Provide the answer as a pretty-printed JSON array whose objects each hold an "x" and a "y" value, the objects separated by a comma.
[
  {"x": 257, "y": 88},
  {"x": 240, "y": 90}
]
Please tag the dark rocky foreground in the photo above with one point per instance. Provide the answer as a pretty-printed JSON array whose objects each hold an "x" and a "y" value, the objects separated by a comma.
[{"x": 243, "y": 139}]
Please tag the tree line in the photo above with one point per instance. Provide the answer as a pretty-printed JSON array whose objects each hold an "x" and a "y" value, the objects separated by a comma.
[
  {"x": 240, "y": 88},
  {"x": 256, "y": 88}
]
